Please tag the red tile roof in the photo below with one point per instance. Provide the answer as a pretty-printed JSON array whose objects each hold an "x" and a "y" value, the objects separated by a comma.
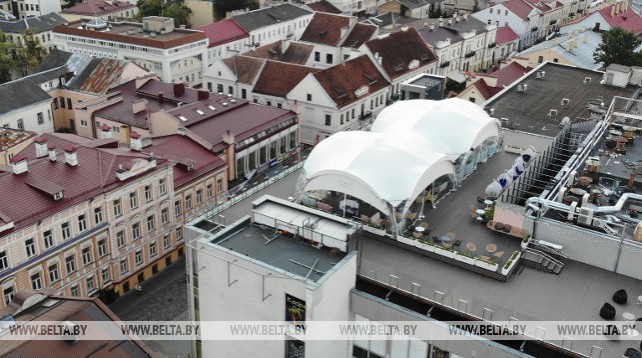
[
  {"x": 245, "y": 68},
  {"x": 360, "y": 33},
  {"x": 504, "y": 35},
  {"x": 627, "y": 20},
  {"x": 98, "y": 7},
  {"x": 509, "y": 73},
  {"x": 177, "y": 148},
  {"x": 279, "y": 78},
  {"x": 95, "y": 174},
  {"x": 323, "y": 6},
  {"x": 519, "y": 8},
  {"x": 484, "y": 90},
  {"x": 222, "y": 32},
  {"x": 296, "y": 52},
  {"x": 326, "y": 29},
  {"x": 341, "y": 81},
  {"x": 400, "y": 49}
]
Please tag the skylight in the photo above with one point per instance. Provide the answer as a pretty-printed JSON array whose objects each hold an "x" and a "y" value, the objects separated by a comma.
[
  {"x": 182, "y": 118},
  {"x": 212, "y": 108},
  {"x": 200, "y": 112}
]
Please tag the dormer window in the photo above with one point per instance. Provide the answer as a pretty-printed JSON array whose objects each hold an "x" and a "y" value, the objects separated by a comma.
[{"x": 57, "y": 195}]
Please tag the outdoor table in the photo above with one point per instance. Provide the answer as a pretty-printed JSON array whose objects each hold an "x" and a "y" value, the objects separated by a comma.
[
  {"x": 490, "y": 248},
  {"x": 628, "y": 316},
  {"x": 488, "y": 202},
  {"x": 480, "y": 212},
  {"x": 420, "y": 229},
  {"x": 471, "y": 246}
]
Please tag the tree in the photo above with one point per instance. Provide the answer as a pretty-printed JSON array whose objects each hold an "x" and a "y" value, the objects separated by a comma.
[
  {"x": 223, "y": 6},
  {"x": 7, "y": 52},
  {"x": 29, "y": 54},
  {"x": 618, "y": 46},
  {"x": 175, "y": 9}
]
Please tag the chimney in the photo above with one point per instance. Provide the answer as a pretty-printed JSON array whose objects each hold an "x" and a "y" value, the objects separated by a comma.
[
  {"x": 41, "y": 147},
  {"x": 465, "y": 17},
  {"x": 19, "y": 164},
  {"x": 344, "y": 31},
  {"x": 139, "y": 106},
  {"x": 135, "y": 141},
  {"x": 52, "y": 152},
  {"x": 70, "y": 155},
  {"x": 228, "y": 138},
  {"x": 285, "y": 44},
  {"x": 450, "y": 21},
  {"x": 431, "y": 27},
  {"x": 613, "y": 11},
  {"x": 105, "y": 131},
  {"x": 625, "y": 6},
  {"x": 632, "y": 181},
  {"x": 161, "y": 97},
  {"x": 202, "y": 95},
  {"x": 179, "y": 89},
  {"x": 441, "y": 22}
]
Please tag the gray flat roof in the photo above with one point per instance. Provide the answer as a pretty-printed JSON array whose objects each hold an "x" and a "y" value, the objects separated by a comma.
[
  {"x": 284, "y": 252},
  {"x": 528, "y": 111},
  {"x": 530, "y": 295}
]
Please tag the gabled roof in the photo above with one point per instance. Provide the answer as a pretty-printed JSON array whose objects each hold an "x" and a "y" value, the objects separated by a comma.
[
  {"x": 36, "y": 24},
  {"x": 485, "y": 90},
  {"x": 269, "y": 16},
  {"x": 278, "y": 78},
  {"x": 342, "y": 81},
  {"x": 627, "y": 19},
  {"x": 98, "y": 7},
  {"x": 452, "y": 31},
  {"x": 509, "y": 73},
  {"x": 401, "y": 50},
  {"x": 388, "y": 19},
  {"x": 94, "y": 174},
  {"x": 504, "y": 35},
  {"x": 518, "y": 7},
  {"x": 297, "y": 53},
  {"x": 360, "y": 33},
  {"x": 415, "y": 4},
  {"x": 222, "y": 32},
  {"x": 326, "y": 29},
  {"x": 576, "y": 50},
  {"x": 182, "y": 149},
  {"x": 5, "y": 16},
  {"x": 323, "y": 6},
  {"x": 245, "y": 68},
  {"x": 26, "y": 91}
]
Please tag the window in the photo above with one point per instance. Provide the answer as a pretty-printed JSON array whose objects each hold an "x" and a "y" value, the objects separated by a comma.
[
  {"x": 69, "y": 103},
  {"x": 74, "y": 291},
  {"x": 210, "y": 191},
  {"x": 199, "y": 195},
  {"x": 219, "y": 88},
  {"x": 120, "y": 238},
  {"x": 8, "y": 294},
  {"x": 328, "y": 119},
  {"x": 83, "y": 123},
  {"x": 179, "y": 234},
  {"x": 41, "y": 118},
  {"x": 123, "y": 267},
  {"x": 148, "y": 193},
  {"x": 230, "y": 90},
  {"x": 82, "y": 223},
  {"x": 161, "y": 186},
  {"x": 36, "y": 282},
  {"x": 138, "y": 258},
  {"x": 86, "y": 256},
  {"x": 150, "y": 223},
  {"x": 243, "y": 93},
  {"x": 152, "y": 249},
  {"x": 90, "y": 284},
  {"x": 309, "y": 97},
  {"x": 66, "y": 231},
  {"x": 328, "y": 58},
  {"x": 164, "y": 215},
  {"x": 117, "y": 208},
  {"x": 30, "y": 245},
  {"x": 21, "y": 124},
  {"x": 166, "y": 242},
  {"x": 53, "y": 273},
  {"x": 136, "y": 231},
  {"x": 506, "y": 13},
  {"x": 105, "y": 275},
  {"x": 47, "y": 237},
  {"x": 70, "y": 264},
  {"x": 133, "y": 200},
  {"x": 102, "y": 248},
  {"x": 177, "y": 207},
  {"x": 268, "y": 103},
  {"x": 188, "y": 202},
  {"x": 4, "y": 261},
  {"x": 472, "y": 99},
  {"x": 317, "y": 56}
]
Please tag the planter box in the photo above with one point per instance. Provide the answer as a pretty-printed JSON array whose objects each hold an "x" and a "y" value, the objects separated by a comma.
[
  {"x": 524, "y": 244},
  {"x": 506, "y": 270},
  {"x": 486, "y": 265},
  {"x": 406, "y": 240},
  {"x": 443, "y": 252},
  {"x": 423, "y": 246},
  {"x": 374, "y": 230},
  {"x": 466, "y": 259}
]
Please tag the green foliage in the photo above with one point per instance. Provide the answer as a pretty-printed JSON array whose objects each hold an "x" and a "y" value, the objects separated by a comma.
[
  {"x": 435, "y": 11},
  {"x": 175, "y": 9},
  {"x": 223, "y": 6},
  {"x": 20, "y": 59},
  {"x": 618, "y": 46},
  {"x": 475, "y": 6},
  {"x": 490, "y": 213}
]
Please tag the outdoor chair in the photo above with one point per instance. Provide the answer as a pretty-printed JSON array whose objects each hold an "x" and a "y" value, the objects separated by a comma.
[
  {"x": 456, "y": 243},
  {"x": 632, "y": 353},
  {"x": 507, "y": 228},
  {"x": 499, "y": 226}
]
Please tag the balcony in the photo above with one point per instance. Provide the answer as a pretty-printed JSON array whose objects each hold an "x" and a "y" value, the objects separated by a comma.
[
  {"x": 365, "y": 116},
  {"x": 553, "y": 22},
  {"x": 534, "y": 29},
  {"x": 492, "y": 45},
  {"x": 444, "y": 64},
  {"x": 470, "y": 54}
]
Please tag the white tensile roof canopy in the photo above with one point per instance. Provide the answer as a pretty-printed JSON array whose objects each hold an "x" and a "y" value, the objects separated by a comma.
[{"x": 412, "y": 143}]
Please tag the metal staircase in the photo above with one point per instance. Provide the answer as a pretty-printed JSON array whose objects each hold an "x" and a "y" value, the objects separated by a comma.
[{"x": 542, "y": 260}]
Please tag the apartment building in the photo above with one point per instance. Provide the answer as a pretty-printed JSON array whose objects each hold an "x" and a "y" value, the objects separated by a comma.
[
  {"x": 41, "y": 26},
  {"x": 227, "y": 39},
  {"x": 275, "y": 23},
  {"x": 174, "y": 54},
  {"x": 33, "y": 8},
  {"x": 107, "y": 10}
]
